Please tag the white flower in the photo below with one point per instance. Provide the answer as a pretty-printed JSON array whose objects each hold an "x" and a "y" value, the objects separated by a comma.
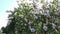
[
  {"x": 39, "y": 5},
  {"x": 25, "y": 24},
  {"x": 30, "y": 22},
  {"x": 32, "y": 30},
  {"x": 46, "y": 11},
  {"x": 36, "y": 11},
  {"x": 21, "y": 16},
  {"x": 31, "y": 11},
  {"x": 25, "y": 19},
  {"x": 45, "y": 28},
  {"x": 53, "y": 25}
]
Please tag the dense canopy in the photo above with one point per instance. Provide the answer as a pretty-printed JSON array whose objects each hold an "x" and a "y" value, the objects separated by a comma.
[{"x": 34, "y": 17}]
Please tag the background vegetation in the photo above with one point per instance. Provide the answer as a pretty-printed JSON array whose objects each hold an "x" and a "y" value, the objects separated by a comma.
[{"x": 29, "y": 18}]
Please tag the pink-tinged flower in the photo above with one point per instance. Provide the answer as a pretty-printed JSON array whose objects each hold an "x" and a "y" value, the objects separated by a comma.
[
  {"x": 32, "y": 30},
  {"x": 45, "y": 28}
]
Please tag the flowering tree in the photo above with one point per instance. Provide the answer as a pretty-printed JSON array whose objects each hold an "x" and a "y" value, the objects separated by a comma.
[{"x": 34, "y": 17}]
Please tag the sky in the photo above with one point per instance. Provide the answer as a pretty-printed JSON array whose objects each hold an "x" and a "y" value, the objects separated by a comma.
[{"x": 4, "y": 6}]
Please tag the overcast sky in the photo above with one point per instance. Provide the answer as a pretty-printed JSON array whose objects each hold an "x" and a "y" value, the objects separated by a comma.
[{"x": 6, "y": 5}]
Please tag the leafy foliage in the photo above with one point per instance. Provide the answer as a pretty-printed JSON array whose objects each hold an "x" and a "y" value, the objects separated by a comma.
[{"x": 28, "y": 19}]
